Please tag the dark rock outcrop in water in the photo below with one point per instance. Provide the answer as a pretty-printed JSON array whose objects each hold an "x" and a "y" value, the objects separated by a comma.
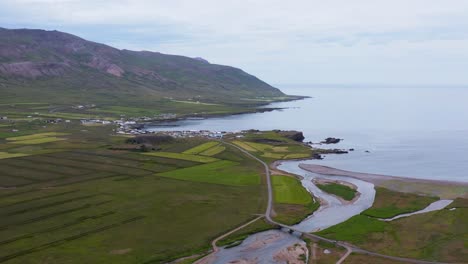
[{"x": 331, "y": 140}]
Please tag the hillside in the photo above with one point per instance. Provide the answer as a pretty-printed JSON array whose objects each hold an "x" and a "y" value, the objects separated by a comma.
[{"x": 59, "y": 68}]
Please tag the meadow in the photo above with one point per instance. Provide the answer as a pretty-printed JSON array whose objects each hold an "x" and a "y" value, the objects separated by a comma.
[
  {"x": 271, "y": 146},
  {"x": 292, "y": 203},
  {"x": 79, "y": 201},
  {"x": 388, "y": 205},
  {"x": 434, "y": 236},
  {"x": 337, "y": 189}
]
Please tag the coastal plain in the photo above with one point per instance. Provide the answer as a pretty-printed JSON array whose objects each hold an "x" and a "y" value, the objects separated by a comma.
[{"x": 87, "y": 186}]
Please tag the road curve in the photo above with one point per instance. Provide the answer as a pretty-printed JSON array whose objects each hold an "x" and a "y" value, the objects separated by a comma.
[
  {"x": 349, "y": 247},
  {"x": 207, "y": 258}
]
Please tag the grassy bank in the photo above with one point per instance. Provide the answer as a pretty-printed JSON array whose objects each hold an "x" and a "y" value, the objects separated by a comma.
[
  {"x": 292, "y": 203},
  {"x": 434, "y": 236},
  {"x": 337, "y": 189},
  {"x": 388, "y": 205}
]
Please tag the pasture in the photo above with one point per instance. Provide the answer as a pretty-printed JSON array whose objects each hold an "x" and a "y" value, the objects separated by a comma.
[
  {"x": 271, "y": 146},
  {"x": 221, "y": 172},
  {"x": 434, "y": 236},
  {"x": 388, "y": 205},
  {"x": 182, "y": 156},
  {"x": 78, "y": 201},
  {"x": 200, "y": 148},
  {"x": 292, "y": 203},
  {"x": 6, "y": 155},
  {"x": 289, "y": 190},
  {"x": 39, "y": 138}
]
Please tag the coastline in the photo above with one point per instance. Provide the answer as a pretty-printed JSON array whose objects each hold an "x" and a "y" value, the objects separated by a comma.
[
  {"x": 397, "y": 183},
  {"x": 257, "y": 109}
]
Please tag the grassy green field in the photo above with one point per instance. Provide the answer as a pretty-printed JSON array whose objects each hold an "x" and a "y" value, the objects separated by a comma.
[
  {"x": 200, "y": 148},
  {"x": 435, "y": 236},
  {"x": 78, "y": 201},
  {"x": 37, "y": 141},
  {"x": 36, "y": 136},
  {"x": 292, "y": 203},
  {"x": 337, "y": 189},
  {"x": 6, "y": 155},
  {"x": 244, "y": 146},
  {"x": 271, "y": 145},
  {"x": 289, "y": 190},
  {"x": 221, "y": 172},
  {"x": 387, "y": 204},
  {"x": 182, "y": 156},
  {"x": 213, "y": 151}
]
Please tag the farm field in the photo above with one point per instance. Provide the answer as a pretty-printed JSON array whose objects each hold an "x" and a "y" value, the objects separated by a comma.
[
  {"x": 6, "y": 155},
  {"x": 200, "y": 148},
  {"x": 182, "y": 156},
  {"x": 292, "y": 202},
  {"x": 270, "y": 146},
  {"x": 289, "y": 190},
  {"x": 78, "y": 201},
  {"x": 221, "y": 172}
]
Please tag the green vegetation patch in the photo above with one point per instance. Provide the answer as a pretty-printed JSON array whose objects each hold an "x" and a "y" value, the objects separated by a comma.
[
  {"x": 213, "y": 151},
  {"x": 356, "y": 229},
  {"x": 273, "y": 145},
  {"x": 6, "y": 155},
  {"x": 182, "y": 156},
  {"x": 70, "y": 207},
  {"x": 36, "y": 136},
  {"x": 37, "y": 141},
  {"x": 434, "y": 236},
  {"x": 297, "y": 156},
  {"x": 221, "y": 172},
  {"x": 340, "y": 190},
  {"x": 293, "y": 202},
  {"x": 289, "y": 190},
  {"x": 272, "y": 155},
  {"x": 388, "y": 203},
  {"x": 244, "y": 146},
  {"x": 200, "y": 148}
]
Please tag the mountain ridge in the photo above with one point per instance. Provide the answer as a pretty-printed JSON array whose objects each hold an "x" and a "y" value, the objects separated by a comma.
[{"x": 57, "y": 62}]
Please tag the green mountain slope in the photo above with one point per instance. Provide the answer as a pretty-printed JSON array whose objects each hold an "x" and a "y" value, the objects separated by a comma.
[{"x": 59, "y": 68}]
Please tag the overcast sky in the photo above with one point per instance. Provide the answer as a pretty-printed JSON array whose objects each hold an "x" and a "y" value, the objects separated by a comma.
[{"x": 281, "y": 42}]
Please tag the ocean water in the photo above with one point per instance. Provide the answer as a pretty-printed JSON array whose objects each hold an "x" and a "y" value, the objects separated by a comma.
[{"x": 412, "y": 132}]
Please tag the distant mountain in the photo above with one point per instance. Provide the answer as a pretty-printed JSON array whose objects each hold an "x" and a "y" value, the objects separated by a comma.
[{"x": 56, "y": 66}]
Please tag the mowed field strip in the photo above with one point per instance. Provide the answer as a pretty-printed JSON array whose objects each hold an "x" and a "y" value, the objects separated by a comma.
[
  {"x": 39, "y": 138},
  {"x": 289, "y": 190},
  {"x": 6, "y": 155},
  {"x": 182, "y": 156},
  {"x": 200, "y": 148}
]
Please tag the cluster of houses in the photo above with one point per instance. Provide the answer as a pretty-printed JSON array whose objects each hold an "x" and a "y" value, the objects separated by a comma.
[{"x": 196, "y": 133}]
